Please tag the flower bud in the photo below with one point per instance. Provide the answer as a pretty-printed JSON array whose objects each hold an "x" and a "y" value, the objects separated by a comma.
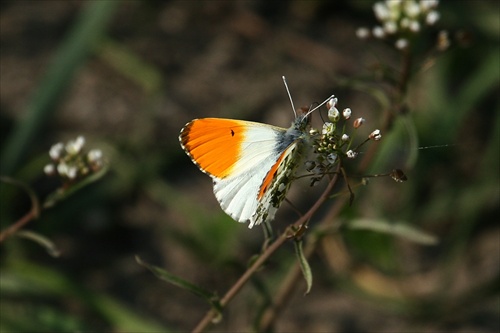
[
  {"x": 432, "y": 17},
  {"x": 331, "y": 102},
  {"x": 72, "y": 172},
  {"x": 346, "y": 113},
  {"x": 49, "y": 169},
  {"x": 351, "y": 154},
  {"x": 375, "y": 135},
  {"x": 62, "y": 169},
  {"x": 378, "y": 32},
  {"x": 358, "y": 122},
  {"x": 94, "y": 155},
  {"x": 74, "y": 147},
  {"x": 362, "y": 33},
  {"x": 333, "y": 114},
  {"x": 331, "y": 158},
  {"x": 56, "y": 150},
  {"x": 401, "y": 44}
]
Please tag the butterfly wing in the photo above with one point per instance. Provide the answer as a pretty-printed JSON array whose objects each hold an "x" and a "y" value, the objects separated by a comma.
[{"x": 246, "y": 160}]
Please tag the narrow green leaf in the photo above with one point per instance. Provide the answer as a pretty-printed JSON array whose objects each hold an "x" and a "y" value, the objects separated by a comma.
[
  {"x": 35, "y": 205},
  {"x": 304, "y": 265},
  {"x": 80, "y": 41},
  {"x": 162, "y": 274},
  {"x": 62, "y": 194},
  {"x": 40, "y": 240},
  {"x": 30, "y": 280},
  {"x": 393, "y": 228}
]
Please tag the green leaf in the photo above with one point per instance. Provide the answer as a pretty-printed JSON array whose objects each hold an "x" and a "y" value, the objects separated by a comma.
[
  {"x": 393, "y": 228},
  {"x": 35, "y": 205},
  {"x": 304, "y": 265},
  {"x": 22, "y": 278},
  {"x": 88, "y": 29},
  {"x": 162, "y": 274},
  {"x": 62, "y": 193},
  {"x": 40, "y": 240}
]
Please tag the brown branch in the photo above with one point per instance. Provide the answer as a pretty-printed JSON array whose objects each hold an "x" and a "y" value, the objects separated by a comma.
[
  {"x": 284, "y": 293},
  {"x": 31, "y": 215},
  {"x": 233, "y": 291},
  {"x": 293, "y": 276}
]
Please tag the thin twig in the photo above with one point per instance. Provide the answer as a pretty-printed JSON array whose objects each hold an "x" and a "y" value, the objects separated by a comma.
[
  {"x": 31, "y": 215},
  {"x": 233, "y": 291},
  {"x": 293, "y": 276}
]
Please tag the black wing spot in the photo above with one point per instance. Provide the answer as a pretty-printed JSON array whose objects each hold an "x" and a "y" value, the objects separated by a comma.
[{"x": 232, "y": 133}]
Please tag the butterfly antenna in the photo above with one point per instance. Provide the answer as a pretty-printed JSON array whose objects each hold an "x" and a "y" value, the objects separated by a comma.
[
  {"x": 437, "y": 146},
  {"x": 320, "y": 105},
  {"x": 289, "y": 95}
]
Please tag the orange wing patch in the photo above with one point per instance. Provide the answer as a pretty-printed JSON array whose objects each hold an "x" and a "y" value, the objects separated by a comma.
[
  {"x": 213, "y": 144},
  {"x": 270, "y": 176}
]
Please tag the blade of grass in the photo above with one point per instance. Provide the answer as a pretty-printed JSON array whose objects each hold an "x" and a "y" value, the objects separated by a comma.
[{"x": 88, "y": 29}]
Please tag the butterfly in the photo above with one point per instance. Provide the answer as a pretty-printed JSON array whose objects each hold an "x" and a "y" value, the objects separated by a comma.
[{"x": 252, "y": 164}]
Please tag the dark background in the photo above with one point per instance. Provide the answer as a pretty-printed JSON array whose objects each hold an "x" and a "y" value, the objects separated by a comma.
[{"x": 129, "y": 87}]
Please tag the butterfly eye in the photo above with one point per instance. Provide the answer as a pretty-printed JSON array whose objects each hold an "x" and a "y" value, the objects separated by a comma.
[{"x": 304, "y": 115}]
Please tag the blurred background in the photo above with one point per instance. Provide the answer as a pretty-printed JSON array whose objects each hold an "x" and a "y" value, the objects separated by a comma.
[{"x": 128, "y": 75}]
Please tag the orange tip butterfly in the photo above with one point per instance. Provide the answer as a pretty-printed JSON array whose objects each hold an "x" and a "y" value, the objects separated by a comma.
[{"x": 251, "y": 164}]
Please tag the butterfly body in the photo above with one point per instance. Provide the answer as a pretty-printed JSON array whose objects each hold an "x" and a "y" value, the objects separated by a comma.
[{"x": 251, "y": 164}]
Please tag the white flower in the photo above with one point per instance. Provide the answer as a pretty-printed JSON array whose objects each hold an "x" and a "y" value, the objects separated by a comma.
[
  {"x": 432, "y": 17},
  {"x": 331, "y": 102},
  {"x": 333, "y": 114},
  {"x": 328, "y": 128},
  {"x": 411, "y": 8},
  {"x": 375, "y": 135},
  {"x": 94, "y": 155},
  {"x": 390, "y": 27},
  {"x": 405, "y": 23},
  {"x": 56, "y": 150},
  {"x": 378, "y": 32},
  {"x": 381, "y": 11},
  {"x": 72, "y": 172},
  {"x": 351, "y": 154},
  {"x": 414, "y": 26},
  {"x": 393, "y": 4},
  {"x": 49, "y": 169},
  {"x": 362, "y": 33},
  {"x": 74, "y": 147},
  {"x": 346, "y": 113},
  {"x": 345, "y": 137},
  {"x": 401, "y": 44},
  {"x": 62, "y": 169},
  {"x": 426, "y": 5}
]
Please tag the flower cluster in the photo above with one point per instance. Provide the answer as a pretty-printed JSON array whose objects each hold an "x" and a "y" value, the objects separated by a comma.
[
  {"x": 400, "y": 19},
  {"x": 332, "y": 143},
  {"x": 71, "y": 162}
]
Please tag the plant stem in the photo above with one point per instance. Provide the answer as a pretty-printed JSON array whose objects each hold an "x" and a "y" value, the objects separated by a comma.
[
  {"x": 31, "y": 215},
  {"x": 233, "y": 291}
]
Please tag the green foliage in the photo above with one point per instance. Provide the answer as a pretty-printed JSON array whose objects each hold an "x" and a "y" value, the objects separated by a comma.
[{"x": 162, "y": 64}]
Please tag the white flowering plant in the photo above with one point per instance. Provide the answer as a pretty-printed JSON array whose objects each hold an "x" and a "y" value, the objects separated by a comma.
[
  {"x": 401, "y": 20},
  {"x": 75, "y": 167}
]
